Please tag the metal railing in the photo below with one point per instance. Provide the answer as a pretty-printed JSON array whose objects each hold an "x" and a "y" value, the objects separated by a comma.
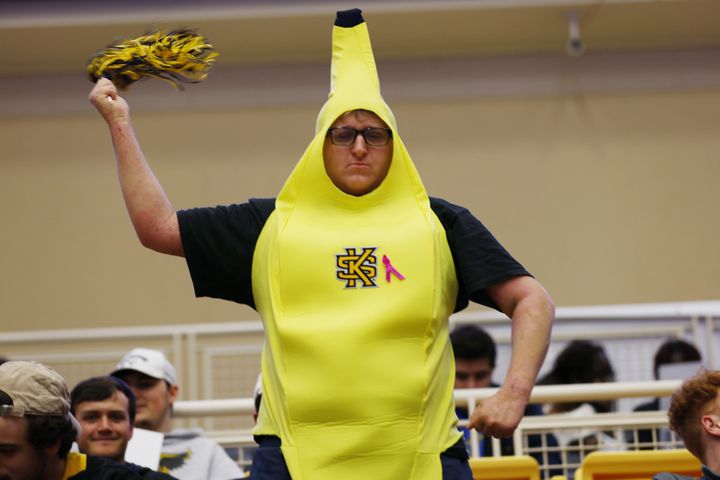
[
  {"x": 218, "y": 363},
  {"x": 587, "y": 429}
]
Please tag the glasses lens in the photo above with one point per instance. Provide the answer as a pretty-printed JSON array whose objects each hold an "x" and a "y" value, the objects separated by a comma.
[
  {"x": 342, "y": 136},
  {"x": 376, "y": 136}
]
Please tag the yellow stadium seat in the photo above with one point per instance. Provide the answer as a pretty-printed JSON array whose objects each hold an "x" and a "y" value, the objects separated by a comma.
[
  {"x": 640, "y": 465},
  {"x": 520, "y": 467}
]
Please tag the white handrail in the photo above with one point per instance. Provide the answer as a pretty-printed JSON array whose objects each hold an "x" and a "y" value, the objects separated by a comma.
[
  {"x": 540, "y": 394},
  {"x": 710, "y": 309},
  {"x": 583, "y": 391}
]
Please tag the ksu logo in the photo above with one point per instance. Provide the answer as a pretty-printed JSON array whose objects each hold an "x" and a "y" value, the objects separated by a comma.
[{"x": 357, "y": 268}]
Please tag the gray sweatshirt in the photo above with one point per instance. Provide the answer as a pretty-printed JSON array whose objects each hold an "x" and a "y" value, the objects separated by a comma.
[{"x": 188, "y": 455}]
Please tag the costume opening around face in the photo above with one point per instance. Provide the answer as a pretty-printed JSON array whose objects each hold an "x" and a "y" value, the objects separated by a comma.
[{"x": 357, "y": 369}]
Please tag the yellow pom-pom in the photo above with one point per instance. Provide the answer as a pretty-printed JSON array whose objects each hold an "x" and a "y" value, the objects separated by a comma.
[{"x": 176, "y": 56}]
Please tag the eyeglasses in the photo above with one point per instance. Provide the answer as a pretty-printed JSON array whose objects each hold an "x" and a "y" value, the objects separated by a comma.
[{"x": 345, "y": 136}]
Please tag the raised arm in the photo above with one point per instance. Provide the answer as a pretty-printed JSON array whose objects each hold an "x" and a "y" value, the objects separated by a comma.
[
  {"x": 150, "y": 211},
  {"x": 530, "y": 307}
]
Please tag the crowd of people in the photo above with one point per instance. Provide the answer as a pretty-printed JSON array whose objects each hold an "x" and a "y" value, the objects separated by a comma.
[
  {"x": 40, "y": 419},
  {"x": 100, "y": 415}
]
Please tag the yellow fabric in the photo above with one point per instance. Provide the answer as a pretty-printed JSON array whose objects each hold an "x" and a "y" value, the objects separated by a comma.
[
  {"x": 357, "y": 380},
  {"x": 76, "y": 463},
  {"x": 637, "y": 465},
  {"x": 516, "y": 467}
]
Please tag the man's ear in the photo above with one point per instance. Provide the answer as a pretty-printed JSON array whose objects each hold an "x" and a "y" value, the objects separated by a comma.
[
  {"x": 711, "y": 424},
  {"x": 173, "y": 392},
  {"x": 52, "y": 449}
]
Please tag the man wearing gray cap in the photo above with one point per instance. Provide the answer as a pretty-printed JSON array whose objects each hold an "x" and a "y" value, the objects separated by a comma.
[
  {"x": 37, "y": 429},
  {"x": 186, "y": 453}
]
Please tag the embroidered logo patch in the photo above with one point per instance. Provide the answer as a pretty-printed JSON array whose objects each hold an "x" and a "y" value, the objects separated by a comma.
[{"x": 357, "y": 268}]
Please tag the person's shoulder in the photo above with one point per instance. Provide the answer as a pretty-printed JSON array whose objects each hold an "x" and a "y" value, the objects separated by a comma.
[
  {"x": 263, "y": 203},
  {"x": 450, "y": 214},
  {"x": 149, "y": 474},
  {"x": 180, "y": 436},
  {"x": 100, "y": 468},
  {"x": 442, "y": 205},
  {"x": 262, "y": 207}
]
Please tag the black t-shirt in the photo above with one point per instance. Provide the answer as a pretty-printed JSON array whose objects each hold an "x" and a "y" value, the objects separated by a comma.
[
  {"x": 219, "y": 243},
  {"x": 99, "y": 468},
  {"x": 149, "y": 474}
]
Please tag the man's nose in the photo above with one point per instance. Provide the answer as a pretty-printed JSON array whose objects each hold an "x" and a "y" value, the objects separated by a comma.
[
  {"x": 104, "y": 423},
  {"x": 359, "y": 147}
]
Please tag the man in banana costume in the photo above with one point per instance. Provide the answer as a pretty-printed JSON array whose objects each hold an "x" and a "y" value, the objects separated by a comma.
[{"x": 355, "y": 271}]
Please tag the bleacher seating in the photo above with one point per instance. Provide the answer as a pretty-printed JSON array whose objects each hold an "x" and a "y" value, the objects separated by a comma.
[
  {"x": 520, "y": 467},
  {"x": 637, "y": 465}
]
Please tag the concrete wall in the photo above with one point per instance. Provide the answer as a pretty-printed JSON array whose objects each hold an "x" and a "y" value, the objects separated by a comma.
[{"x": 606, "y": 195}]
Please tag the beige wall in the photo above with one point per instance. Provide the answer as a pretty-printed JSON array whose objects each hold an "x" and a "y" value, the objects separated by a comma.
[{"x": 606, "y": 198}]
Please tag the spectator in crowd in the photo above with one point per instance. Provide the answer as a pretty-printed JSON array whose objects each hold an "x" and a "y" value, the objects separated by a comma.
[
  {"x": 581, "y": 361},
  {"x": 475, "y": 356},
  {"x": 694, "y": 415},
  {"x": 105, "y": 408},
  {"x": 186, "y": 453},
  {"x": 248, "y": 452},
  {"x": 37, "y": 430},
  {"x": 670, "y": 352}
]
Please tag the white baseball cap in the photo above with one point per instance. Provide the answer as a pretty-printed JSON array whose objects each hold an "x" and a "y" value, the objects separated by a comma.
[{"x": 152, "y": 363}]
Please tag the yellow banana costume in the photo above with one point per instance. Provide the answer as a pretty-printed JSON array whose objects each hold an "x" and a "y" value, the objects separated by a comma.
[{"x": 357, "y": 365}]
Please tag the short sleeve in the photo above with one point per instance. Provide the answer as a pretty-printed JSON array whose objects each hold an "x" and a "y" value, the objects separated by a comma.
[
  {"x": 480, "y": 260},
  {"x": 219, "y": 243}
]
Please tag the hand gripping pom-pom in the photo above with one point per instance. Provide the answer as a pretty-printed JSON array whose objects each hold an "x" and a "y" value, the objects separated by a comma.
[{"x": 176, "y": 56}]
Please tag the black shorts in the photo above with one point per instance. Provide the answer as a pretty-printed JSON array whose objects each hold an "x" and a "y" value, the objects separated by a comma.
[{"x": 269, "y": 464}]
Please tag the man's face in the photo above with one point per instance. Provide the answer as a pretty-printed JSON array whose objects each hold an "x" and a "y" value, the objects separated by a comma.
[
  {"x": 106, "y": 427},
  {"x": 18, "y": 459},
  {"x": 475, "y": 373},
  {"x": 359, "y": 168},
  {"x": 154, "y": 400}
]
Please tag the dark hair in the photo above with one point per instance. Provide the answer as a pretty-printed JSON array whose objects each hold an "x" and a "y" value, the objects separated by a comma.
[
  {"x": 97, "y": 389},
  {"x": 581, "y": 361},
  {"x": 45, "y": 430},
  {"x": 674, "y": 351},
  {"x": 689, "y": 403},
  {"x": 471, "y": 342}
]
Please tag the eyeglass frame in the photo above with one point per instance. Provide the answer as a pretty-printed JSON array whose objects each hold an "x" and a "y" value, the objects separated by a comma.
[{"x": 359, "y": 132}]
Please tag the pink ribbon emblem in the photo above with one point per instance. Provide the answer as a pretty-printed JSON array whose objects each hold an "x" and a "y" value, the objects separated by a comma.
[{"x": 390, "y": 270}]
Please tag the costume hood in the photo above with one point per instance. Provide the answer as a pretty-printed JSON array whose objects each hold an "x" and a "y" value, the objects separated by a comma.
[{"x": 354, "y": 85}]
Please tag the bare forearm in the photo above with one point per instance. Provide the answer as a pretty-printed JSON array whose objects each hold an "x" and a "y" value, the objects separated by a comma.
[
  {"x": 150, "y": 210},
  {"x": 531, "y": 326},
  {"x": 532, "y": 312}
]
